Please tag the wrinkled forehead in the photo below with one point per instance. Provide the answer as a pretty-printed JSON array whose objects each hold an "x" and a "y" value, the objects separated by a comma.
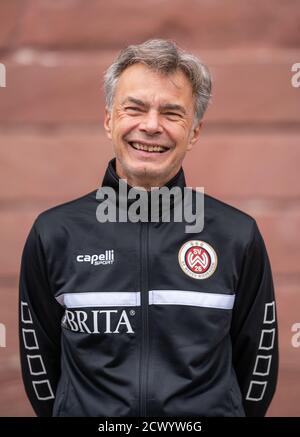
[{"x": 153, "y": 87}]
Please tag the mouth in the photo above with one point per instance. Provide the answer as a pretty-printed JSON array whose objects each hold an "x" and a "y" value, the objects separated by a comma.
[{"x": 149, "y": 148}]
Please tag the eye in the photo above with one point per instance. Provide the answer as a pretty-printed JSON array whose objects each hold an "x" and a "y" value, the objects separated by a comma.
[
  {"x": 132, "y": 108},
  {"x": 172, "y": 115}
]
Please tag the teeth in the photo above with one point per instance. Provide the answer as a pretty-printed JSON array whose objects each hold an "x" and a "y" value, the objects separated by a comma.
[{"x": 155, "y": 148}]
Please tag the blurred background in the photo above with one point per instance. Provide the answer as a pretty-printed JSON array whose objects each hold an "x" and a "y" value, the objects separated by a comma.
[{"x": 53, "y": 147}]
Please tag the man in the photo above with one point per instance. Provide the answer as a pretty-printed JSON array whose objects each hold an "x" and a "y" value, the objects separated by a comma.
[{"x": 125, "y": 318}]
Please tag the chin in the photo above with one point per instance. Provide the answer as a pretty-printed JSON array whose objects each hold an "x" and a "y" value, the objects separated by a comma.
[
  {"x": 148, "y": 169},
  {"x": 148, "y": 172}
]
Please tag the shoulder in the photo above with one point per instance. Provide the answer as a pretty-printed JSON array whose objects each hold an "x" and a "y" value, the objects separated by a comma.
[
  {"x": 229, "y": 219},
  {"x": 66, "y": 214}
]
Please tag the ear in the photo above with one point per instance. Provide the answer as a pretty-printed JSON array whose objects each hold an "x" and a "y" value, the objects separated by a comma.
[
  {"x": 107, "y": 122},
  {"x": 195, "y": 134}
]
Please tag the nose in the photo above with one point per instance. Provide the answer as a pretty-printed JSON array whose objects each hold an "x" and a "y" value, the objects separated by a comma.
[{"x": 150, "y": 123}]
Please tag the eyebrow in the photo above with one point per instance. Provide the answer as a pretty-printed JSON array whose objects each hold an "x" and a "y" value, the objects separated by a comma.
[{"x": 167, "y": 106}]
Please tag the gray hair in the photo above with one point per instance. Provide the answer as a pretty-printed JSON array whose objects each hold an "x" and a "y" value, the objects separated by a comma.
[{"x": 164, "y": 57}]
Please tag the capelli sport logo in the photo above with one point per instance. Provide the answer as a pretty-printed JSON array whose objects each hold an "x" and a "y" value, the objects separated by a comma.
[{"x": 104, "y": 258}]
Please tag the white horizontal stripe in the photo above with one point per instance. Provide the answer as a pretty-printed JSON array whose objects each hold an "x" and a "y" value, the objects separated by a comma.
[
  {"x": 193, "y": 298},
  {"x": 100, "y": 299},
  {"x": 157, "y": 297}
]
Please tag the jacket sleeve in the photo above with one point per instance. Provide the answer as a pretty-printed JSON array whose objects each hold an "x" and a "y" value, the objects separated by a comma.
[
  {"x": 254, "y": 330},
  {"x": 39, "y": 327}
]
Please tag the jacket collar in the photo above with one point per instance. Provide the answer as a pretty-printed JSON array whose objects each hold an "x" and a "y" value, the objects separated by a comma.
[{"x": 111, "y": 179}]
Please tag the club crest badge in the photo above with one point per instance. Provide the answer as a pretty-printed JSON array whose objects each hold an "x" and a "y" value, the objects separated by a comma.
[{"x": 197, "y": 259}]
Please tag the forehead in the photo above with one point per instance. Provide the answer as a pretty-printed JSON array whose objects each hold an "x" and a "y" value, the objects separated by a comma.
[{"x": 141, "y": 82}]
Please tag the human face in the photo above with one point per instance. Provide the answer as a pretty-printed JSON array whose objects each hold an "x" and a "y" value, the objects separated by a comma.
[{"x": 150, "y": 110}]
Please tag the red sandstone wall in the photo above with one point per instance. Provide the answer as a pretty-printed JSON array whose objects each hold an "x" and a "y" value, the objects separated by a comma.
[{"x": 53, "y": 148}]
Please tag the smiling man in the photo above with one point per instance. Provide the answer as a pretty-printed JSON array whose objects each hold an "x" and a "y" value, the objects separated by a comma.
[{"x": 139, "y": 318}]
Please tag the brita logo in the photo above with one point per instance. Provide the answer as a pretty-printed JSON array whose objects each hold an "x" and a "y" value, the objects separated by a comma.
[
  {"x": 98, "y": 321},
  {"x": 103, "y": 258}
]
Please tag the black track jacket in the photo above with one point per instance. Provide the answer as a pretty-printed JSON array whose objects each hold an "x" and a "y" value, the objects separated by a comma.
[{"x": 144, "y": 319}]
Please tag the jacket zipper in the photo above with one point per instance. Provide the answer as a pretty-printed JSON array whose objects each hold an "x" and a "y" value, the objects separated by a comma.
[{"x": 144, "y": 236}]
